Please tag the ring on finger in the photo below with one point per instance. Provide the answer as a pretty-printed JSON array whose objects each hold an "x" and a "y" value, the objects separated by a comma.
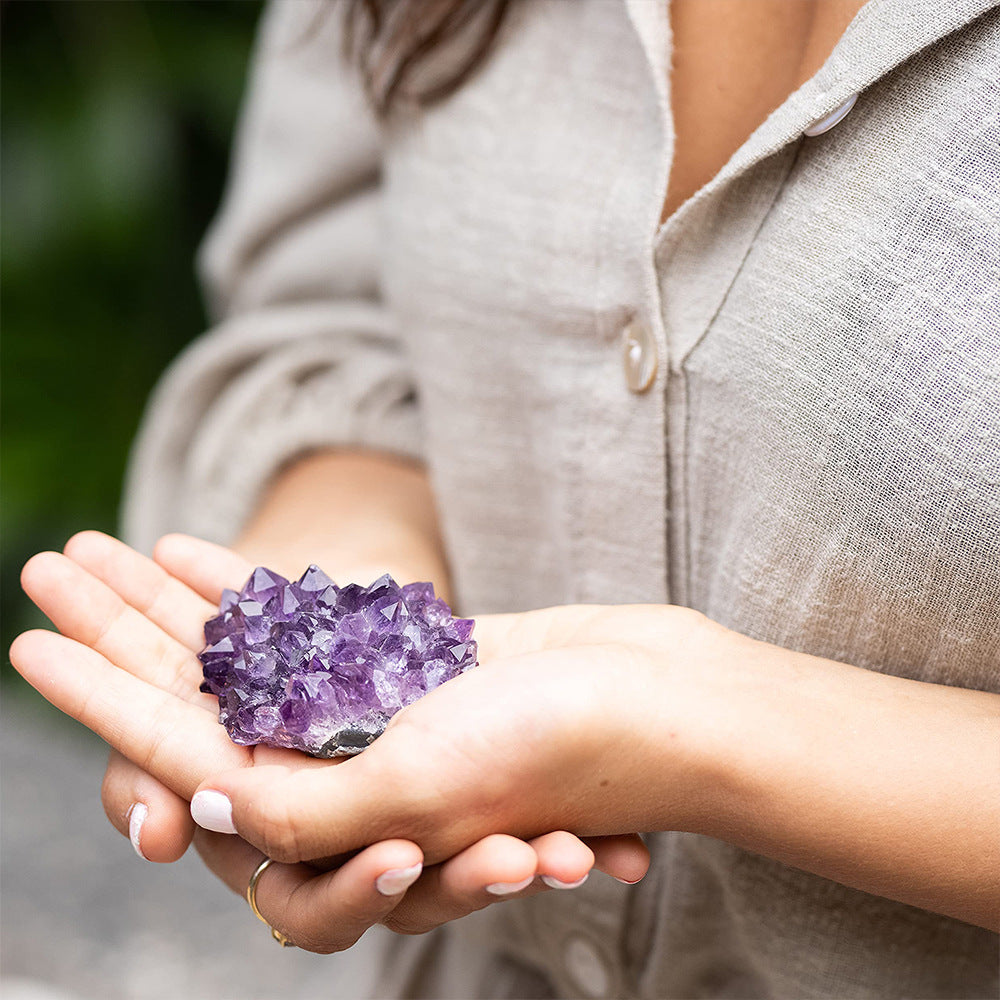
[{"x": 251, "y": 895}]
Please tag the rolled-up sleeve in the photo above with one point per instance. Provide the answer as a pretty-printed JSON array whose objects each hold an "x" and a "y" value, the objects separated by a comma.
[{"x": 302, "y": 355}]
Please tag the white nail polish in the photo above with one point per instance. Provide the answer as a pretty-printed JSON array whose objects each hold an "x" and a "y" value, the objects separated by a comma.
[
  {"x": 554, "y": 883},
  {"x": 212, "y": 810},
  {"x": 136, "y": 817},
  {"x": 508, "y": 888},
  {"x": 397, "y": 880}
]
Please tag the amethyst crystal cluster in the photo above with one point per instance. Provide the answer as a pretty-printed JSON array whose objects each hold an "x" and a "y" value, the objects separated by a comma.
[{"x": 322, "y": 668}]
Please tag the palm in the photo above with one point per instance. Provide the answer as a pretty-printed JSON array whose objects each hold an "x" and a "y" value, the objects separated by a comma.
[{"x": 115, "y": 668}]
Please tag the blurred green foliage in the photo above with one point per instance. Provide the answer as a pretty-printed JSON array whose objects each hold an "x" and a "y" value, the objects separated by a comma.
[{"x": 116, "y": 123}]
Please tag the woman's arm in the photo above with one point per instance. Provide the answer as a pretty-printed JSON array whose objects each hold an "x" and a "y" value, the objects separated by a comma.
[{"x": 885, "y": 784}]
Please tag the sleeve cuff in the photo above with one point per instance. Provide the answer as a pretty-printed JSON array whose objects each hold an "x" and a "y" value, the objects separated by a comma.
[{"x": 261, "y": 389}]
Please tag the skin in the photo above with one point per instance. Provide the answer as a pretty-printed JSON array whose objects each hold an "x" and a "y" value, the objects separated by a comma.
[
  {"x": 734, "y": 62},
  {"x": 735, "y": 739}
]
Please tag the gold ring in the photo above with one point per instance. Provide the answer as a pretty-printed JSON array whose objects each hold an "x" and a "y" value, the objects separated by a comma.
[{"x": 252, "y": 900}]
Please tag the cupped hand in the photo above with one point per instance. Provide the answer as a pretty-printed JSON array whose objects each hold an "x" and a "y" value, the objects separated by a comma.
[
  {"x": 572, "y": 720},
  {"x": 125, "y": 667}
]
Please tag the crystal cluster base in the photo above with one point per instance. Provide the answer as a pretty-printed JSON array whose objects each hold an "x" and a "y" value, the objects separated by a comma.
[{"x": 321, "y": 668}]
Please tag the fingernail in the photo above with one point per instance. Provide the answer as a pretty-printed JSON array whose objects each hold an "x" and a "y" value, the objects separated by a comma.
[
  {"x": 397, "y": 880},
  {"x": 625, "y": 881},
  {"x": 554, "y": 883},
  {"x": 212, "y": 810},
  {"x": 506, "y": 888},
  {"x": 136, "y": 815}
]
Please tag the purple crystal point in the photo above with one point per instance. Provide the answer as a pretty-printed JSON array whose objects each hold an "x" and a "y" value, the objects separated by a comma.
[
  {"x": 263, "y": 585},
  {"x": 321, "y": 668}
]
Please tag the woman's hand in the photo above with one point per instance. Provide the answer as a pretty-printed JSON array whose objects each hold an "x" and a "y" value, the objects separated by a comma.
[
  {"x": 574, "y": 719},
  {"x": 126, "y": 667},
  {"x": 600, "y": 720}
]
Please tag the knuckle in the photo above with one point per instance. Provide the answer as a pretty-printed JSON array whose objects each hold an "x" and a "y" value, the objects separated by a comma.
[
  {"x": 111, "y": 802},
  {"x": 692, "y": 628},
  {"x": 109, "y": 789},
  {"x": 153, "y": 599},
  {"x": 307, "y": 940},
  {"x": 101, "y": 632},
  {"x": 323, "y": 945},
  {"x": 690, "y": 616},
  {"x": 276, "y": 826},
  {"x": 320, "y": 936},
  {"x": 177, "y": 671},
  {"x": 407, "y": 924},
  {"x": 155, "y": 756}
]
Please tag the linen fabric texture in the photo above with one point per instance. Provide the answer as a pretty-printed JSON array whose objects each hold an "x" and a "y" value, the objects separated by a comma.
[{"x": 816, "y": 464}]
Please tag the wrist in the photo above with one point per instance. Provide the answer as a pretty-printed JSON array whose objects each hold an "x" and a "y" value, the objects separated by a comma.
[
  {"x": 745, "y": 730},
  {"x": 690, "y": 700}
]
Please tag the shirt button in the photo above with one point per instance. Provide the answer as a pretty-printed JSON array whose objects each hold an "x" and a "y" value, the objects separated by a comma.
[
  {"x": 585, "y": 967},
  {"x": 835, "y": 117},
  {"x": 639, "y": 356}
]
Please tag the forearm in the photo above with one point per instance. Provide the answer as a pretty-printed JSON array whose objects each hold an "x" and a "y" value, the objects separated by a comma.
[
  {"x": 888, "y": 785},
  {"x": 356, "y": 514}
]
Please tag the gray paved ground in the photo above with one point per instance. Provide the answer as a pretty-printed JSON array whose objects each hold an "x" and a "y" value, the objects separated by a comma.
[{"x": 82, "y": 917}]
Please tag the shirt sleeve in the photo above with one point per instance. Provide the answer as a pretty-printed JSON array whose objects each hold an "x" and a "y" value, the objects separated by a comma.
[{"x": 302, "y": 355}]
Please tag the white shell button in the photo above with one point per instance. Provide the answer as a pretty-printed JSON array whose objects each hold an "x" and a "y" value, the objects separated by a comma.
[
  {"x": 835, "y": 117},
  {"x": 639, "y": 356}
]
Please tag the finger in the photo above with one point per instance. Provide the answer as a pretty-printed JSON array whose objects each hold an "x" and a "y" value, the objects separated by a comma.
[
  {"x": 87, "y": 610},
  {"x": 319, "y": 912},
  {"x": 564, "y": 861},
  {"x": 497, "y": 867},
  {"x": 503, "y": 635},
  {"x": 203, "y": 566},
  {"x": 173, "y": 740},
  {"x": 516, "y": 634},
  {"x": 156, "y": 820},
  {"x": 208, "y": 568},
  {"x": 147, "y": 587},
  {"x": 624, "y": 856},
  {"x": 519, "y": 633},
  {"x": 289, "y": 814}
]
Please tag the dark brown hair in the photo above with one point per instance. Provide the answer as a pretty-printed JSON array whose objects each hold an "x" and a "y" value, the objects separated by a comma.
[{"x": 419, "y": 51}]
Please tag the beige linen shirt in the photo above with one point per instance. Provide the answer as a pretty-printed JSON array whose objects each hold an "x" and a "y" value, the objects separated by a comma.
[{"x": 815, "y": 461}]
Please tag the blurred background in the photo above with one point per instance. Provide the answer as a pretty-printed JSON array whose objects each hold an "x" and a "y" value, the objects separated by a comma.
[{"x": 116, "y": 123}]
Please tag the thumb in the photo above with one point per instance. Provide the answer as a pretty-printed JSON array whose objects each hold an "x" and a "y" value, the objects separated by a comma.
[{"x": 300, "y": 814}]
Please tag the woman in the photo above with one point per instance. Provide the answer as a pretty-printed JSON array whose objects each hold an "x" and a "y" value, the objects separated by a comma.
[{"x": 681, "y": 309}]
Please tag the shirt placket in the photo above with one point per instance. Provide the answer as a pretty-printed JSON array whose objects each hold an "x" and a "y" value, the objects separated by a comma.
[{"x": 695, "y": 257}]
